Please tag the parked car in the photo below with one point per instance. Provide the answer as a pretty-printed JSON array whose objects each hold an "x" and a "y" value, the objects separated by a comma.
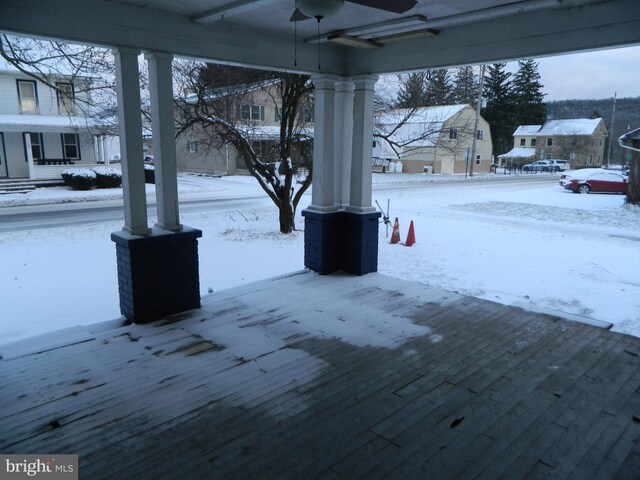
[
  {"x": 595, "y": 180},
  {"x": 148, "y": 160},
  {"x": 546, "y": 166}
]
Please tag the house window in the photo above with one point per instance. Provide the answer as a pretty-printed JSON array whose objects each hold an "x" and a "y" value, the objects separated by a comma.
[
  {"x": 523, "y": 142},
  {"x": 549, "y": 142},
  {"x": 66, "y": 98},
  {"x": 453, "y": 133},
  {"x": 27, "y": 96},
  {"x": 590, "y": 159},
  {"x": 192, "y": 147},
  {"x": 477, "y": 159},
  {"x": 252, "y": 112},
  {"x": 547, "y": 156},
  {"x": 37, "y": 148},
  {"x": 533, "y": 142},
  {"x": 307, "y": 116},
  {"x": 278, "y": 111},
  {"x": 599, "y": 159},
  {"x": 480, "y": 134},
  {"x": 70, "y": 146}
]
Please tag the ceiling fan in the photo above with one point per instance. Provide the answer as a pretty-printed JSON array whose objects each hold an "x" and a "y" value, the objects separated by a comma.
[{"x": 320, "y": 9}]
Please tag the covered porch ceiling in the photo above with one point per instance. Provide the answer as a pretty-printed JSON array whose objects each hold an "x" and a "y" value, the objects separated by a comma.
[{"x": 357, "y": 40}]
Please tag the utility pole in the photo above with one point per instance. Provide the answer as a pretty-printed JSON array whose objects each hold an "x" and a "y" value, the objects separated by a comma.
[
  {"x": 472, "y": 160},
  {"x": 613, "y": 119}
]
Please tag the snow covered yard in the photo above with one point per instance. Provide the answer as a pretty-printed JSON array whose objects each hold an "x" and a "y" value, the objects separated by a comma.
[{"x": 504, "y": 241}]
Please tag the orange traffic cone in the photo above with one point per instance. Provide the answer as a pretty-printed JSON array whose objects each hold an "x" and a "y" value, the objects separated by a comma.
[
  {"x": 411, "y": 236},
  {"x": 395, "y": 235}
]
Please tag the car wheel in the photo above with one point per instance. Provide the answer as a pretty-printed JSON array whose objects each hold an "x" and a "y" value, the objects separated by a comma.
[
  {"x": 545, "y": 169},
  {"x": 584, "y": 188}
]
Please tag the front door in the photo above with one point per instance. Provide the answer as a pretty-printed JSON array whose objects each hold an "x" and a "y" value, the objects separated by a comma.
[{"x": 4, "y": 169}]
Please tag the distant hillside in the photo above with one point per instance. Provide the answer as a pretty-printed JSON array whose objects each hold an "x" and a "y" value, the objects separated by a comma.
[{"x": 627, "y": 117}]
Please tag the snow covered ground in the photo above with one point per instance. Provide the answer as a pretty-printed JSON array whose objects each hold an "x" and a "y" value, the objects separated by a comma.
[{"x": 503, "y": 241}]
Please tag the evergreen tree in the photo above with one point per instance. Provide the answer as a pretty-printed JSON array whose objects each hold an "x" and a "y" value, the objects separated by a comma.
[
  {"x": 413, "y": 90},
  {"x": 527, "y": 94},
  {"x": 499, "y": 111},
  {"x": 465, "y": 89},
  {"x": 439, "y": 88}
]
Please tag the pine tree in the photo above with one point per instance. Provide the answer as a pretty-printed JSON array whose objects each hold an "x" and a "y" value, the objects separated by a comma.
[
  {"x": 499, "y": 112},
  {"x": 527, "y": 94},
  {"x": 439, "y": 88},
  {"x": 413, "y": 90},
  {"x": 465, "y": 89}
]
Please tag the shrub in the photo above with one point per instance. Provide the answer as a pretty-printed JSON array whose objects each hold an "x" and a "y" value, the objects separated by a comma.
[
  {"x": 149, "y": 174},
  {"x": 108, "y": 177},
  {"x": 79, "y": 178}
]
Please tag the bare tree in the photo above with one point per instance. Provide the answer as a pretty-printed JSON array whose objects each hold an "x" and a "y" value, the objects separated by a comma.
[
  {"x": 214, "y": 106},
  {"x": 91, "y": 71},
  {"x": 409, "y": 129},
  {"x": 573, "y": 147}
]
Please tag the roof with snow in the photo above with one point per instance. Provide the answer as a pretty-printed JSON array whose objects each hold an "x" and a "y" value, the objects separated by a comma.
[
  {"x": 519, "y": 153},
  {"x": 422, "y": 126},
  {"x": 42, "y": 123},
  {"x": 572, "y": 126},
  {"x": 527, "y": 130},
  {"x": 269, "y": 132}
]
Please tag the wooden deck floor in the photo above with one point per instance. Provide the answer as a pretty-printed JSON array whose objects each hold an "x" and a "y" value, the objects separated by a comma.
[{"x": 332, "y": 377}]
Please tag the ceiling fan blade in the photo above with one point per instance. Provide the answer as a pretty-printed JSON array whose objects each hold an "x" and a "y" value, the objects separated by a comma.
[
  {"x": 297, "y": 16},
  {"x": 395, "y": 6}
]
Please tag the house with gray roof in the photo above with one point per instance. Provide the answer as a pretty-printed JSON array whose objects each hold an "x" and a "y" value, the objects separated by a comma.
[{"x": 581, "y": 141}]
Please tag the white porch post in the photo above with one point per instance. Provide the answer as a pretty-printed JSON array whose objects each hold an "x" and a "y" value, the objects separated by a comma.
[
  {"x": 29, "y": 154},
  {"x": 360, "y": 195},
  {"x": 322, "y": 198},
  {"x": 130, "y": 126},
  {"x": 164, "y": 144},
  {"x": 343, "y": 140}
]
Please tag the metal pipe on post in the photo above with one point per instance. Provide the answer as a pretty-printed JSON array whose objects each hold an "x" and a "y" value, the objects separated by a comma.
[{"x": 477, "y": 121}]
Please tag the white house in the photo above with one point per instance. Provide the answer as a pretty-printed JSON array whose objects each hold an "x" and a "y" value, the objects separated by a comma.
[
  {"x": 41, "y": 130},
  {"x": 438, "y": 139}
]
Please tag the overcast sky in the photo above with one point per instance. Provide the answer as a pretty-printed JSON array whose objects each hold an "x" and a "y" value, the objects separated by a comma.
[{"x": 591, "y": 75}]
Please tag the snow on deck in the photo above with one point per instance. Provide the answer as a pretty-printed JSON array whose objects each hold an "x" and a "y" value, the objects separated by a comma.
[{"x": 333, "y": 376}]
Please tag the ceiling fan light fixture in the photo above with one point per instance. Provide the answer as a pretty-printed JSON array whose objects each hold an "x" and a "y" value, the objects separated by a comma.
[{"x": 320, "y": 9}]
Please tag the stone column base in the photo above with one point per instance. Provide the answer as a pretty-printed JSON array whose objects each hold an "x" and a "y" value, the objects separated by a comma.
[
  {"x": 341, "y": 241},
  {"x": 157, "y": 273},
  {"x": 322, "y": 251},
  {"x": 361, "y": 253}
]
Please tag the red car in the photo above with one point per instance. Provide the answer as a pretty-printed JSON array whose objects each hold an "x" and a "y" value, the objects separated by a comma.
[{"x": 595, "y": 180}]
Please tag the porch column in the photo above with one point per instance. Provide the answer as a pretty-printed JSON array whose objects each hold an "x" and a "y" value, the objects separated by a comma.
[
  {"x": 360, "y": 218},
  {"x": 361, "y": 166},
  {"x": 29, "y": 153},
  {"x": 164, "y": 142},
  {"x": 343, "y": 140},
  {"x": 130, "y": 127},
  {"x": 322, "y": 218},
  {"x": 157, "y": 268}
]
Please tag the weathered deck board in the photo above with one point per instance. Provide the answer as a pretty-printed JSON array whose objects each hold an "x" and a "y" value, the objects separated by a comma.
[{"x": 331, "y": 377}]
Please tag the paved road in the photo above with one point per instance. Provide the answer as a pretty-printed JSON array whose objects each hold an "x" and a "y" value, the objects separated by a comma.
[{"x": 62, "y": 214}]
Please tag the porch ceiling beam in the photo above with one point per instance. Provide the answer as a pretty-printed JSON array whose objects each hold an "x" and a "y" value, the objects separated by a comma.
[
  {"x": 231, "y": 9},
  {"x": 109, "y": 24},
  {"x": 602, "y": 25}
]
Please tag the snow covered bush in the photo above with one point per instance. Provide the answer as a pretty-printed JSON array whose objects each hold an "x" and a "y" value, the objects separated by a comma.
[
  {"x": 149, "y": 174},
  {"x": 108, "y": 177},
  {"x": 79, "y": 178}
]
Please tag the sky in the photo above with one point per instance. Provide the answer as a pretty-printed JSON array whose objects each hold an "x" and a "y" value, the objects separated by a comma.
[
  {"x": 589, "y": 75},
  {"x": 597, "y": 74}
]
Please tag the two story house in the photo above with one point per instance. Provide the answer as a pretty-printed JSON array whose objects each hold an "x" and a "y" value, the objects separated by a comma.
[
  {"x": 255, "y": 109},
  {"x": 41, "y": 125},
  {"x": 580, "y": 141},
  {"x": 436, "y": 139}
]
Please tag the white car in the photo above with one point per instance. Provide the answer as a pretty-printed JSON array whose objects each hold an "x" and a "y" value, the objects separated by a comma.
[{"x": 546, "y": 166}]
